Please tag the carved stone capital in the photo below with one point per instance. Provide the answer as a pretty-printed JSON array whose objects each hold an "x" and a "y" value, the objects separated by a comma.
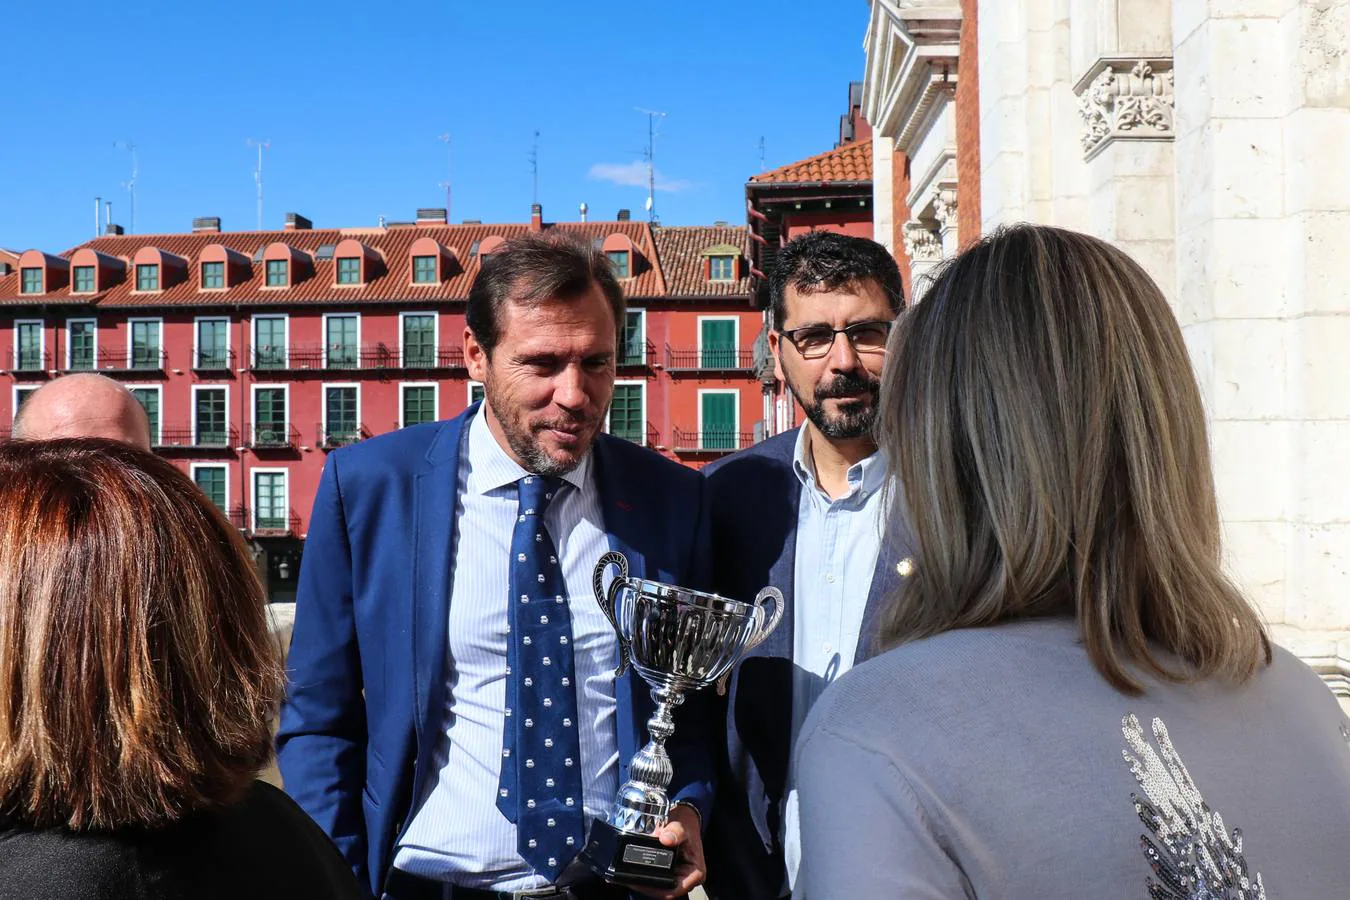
[
  {"x": 944, "y": 207},
  {"x": 921, "y": 243},
  {"x": 1126, "y": 98}
]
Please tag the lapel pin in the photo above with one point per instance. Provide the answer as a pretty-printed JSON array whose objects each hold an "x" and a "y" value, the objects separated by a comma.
[{"x": 905, "y": 567}]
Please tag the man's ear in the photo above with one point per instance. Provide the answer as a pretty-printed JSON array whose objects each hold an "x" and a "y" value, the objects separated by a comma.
[
  {"x": 476, "y": 356},
  {"x": 776, "y": 348}
]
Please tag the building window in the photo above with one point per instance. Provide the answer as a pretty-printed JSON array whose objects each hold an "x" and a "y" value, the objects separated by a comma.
[
  {"x": 84, "y": 279},
  {"x": 211, "y": 479},
  {"x": 627, "y": 418},
  {"x": 80, "y": 341},
  {"x": 419, "y": 404},
  {"x": 278, "y": 273},
  {"x": 476, "y": 392},
  {"x": 269, "y": 342},
  {"x": 209, "y": 418},
  {"x": 721, "y": 268},
  {"x": 28, "y": 346},
  {"x": 148, "y": 397},
  {"x": 340, "y": 416},
  {"x": 147, "y": 277},
  {"x": 424, "y": 270},
  {"x": 419, "y": 340},
  {"x": 145, "y": 344},
  {"x": 349, "y": 270},
  {"x": 340, "y": 342},
  {"x": 21, "y": 395},
  {"x": 618, "y": 259},
  {"x": 213, "y": 275},
  {"x": 634, "y": 338},
  {"x": 269, "y": 501},
  {"x": 269, "y": 417},
  {"x": 32, "y": 281},
  {"x": 213, "y": 343},
  {"x": 717, "y": 344},
  {"x": 718, "y": 420}
]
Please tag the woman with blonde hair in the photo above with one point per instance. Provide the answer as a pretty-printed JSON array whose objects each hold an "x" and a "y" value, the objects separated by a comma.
[
  {"x": 1078, "y": 702},
  {"x": 138, "y": 685}
]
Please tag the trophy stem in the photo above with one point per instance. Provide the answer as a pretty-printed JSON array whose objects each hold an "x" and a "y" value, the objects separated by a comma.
[{"x": 642, "y": 805}]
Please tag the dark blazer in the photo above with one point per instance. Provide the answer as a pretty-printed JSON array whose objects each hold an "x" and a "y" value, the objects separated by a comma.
[
  {"x": 368, "y": 654},
  {"x": 262, "y": 848},
  {"x": 754, "y": 497}
]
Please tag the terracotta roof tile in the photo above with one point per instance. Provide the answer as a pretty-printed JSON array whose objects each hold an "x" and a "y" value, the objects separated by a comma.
[
  {"x": 850, "y": 162},
  {"x": 391, "y": 285},
  {"x": 679, "y": 248}
]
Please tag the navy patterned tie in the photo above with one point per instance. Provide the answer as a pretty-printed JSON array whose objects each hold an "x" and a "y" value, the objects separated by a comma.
[{"x": 540, "y": 789}]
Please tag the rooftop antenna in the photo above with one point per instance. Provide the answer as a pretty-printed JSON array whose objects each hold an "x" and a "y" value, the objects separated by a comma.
[
  {"x": 534, "y": 165},
  {"x": 107, "y": 214},
  {"x": 650, "y": 156},
  {"x": 761, "y": 153},
  {"x": 130, "y": 185},
  {"x": 446, "y": 183},
  {"x": 98, "y": 211},
  {"x": 258, "y": 174},
  {"x": 584, "y": 209}
]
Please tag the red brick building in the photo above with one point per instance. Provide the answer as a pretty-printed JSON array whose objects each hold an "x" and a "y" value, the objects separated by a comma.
[{"x": 256, "y": 353}]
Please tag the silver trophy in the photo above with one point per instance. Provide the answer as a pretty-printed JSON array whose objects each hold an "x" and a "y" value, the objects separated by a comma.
[{"x": 679, "y": 640}]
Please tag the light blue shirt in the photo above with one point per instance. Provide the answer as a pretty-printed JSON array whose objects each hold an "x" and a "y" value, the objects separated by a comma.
[
  {"x": 457, "y": 834},
  {"x": 838, "y": 542}
]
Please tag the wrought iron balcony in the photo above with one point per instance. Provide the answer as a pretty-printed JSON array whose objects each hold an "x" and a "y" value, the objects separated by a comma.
[
  {"x": 369, "y": 358},
  {"x": 432, "y": 358},
  {"x": 31, "y": 363},
  {"x": 709, "y": 359},
  {"x": 340, "y": 435},
  {"x": 634, "y": 357},
  {"x": 143, "y": 359},
  {"x": 188, "y": 438},
  {"x": 213, "y": 360},
  {"x": 238, "y": 516},
  {"x": 711, "y": 440},
  {"x": 646, "y": 436},
  {"x": 274, "y": 436},
  {"x": 273, "y": 523}
]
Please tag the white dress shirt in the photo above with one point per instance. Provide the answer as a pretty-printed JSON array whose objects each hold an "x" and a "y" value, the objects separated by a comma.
[
  {"x": 457, "y": 834},
  {"x": 838, "y": 542}
]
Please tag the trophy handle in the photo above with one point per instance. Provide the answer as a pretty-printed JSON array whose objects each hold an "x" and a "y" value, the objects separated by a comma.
[
  {"x": 766, "y": 627},
  {"x": 607, "y": 599}
]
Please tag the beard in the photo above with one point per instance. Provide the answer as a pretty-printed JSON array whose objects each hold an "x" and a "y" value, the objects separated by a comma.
[
  {"x": 522, "y": 436},
  {"x": 853, "y": 418}
]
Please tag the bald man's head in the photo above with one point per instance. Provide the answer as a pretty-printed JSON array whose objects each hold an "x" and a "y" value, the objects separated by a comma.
[{"x": 83, "y": 405}]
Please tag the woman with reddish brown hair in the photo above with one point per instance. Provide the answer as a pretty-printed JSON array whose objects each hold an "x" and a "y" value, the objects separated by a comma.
[{"x": 138, "y": 685}]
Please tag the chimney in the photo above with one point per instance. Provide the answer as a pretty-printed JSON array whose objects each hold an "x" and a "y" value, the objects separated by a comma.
[
  {"x": 584, "y": 209},
  {"x": 625, "y": 215},
  {"x": 204, "y": 224},
  {"x": 432, "y": 215},
  {"x": 473, "y": 222},
  {"x": 113, "y": 230},
  {"x": 297, "y": 222},
  {"x": 536, "y": 218}
]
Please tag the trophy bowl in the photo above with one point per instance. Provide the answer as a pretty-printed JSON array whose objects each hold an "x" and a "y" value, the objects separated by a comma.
[{"x": 679, "y": 640}]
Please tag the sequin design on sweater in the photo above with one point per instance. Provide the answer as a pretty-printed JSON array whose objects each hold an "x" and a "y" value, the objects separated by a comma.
[{"x": 1192, "y": 854}]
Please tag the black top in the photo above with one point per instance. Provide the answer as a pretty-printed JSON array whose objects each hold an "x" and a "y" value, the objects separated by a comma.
[{"x": 261, "y": 848}]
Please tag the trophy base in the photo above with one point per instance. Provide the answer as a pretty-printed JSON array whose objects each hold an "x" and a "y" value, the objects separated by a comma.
[{"x": 636, "y": 860}]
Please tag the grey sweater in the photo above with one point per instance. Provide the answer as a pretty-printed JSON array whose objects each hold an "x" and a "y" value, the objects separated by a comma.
[{"x": 997, "y": 763}]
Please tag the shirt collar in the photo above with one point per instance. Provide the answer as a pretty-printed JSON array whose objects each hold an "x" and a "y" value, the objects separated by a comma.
[
  {"x": 491, "y": 467},
  {"x": 868, "y": 473}
]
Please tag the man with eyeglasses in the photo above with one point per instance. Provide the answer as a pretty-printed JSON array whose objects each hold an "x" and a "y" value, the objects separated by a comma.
[{"x": 803, "y": 511}]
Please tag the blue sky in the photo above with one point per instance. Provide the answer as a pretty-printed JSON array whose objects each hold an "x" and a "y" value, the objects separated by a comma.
[{"x": 353, "y": 98}]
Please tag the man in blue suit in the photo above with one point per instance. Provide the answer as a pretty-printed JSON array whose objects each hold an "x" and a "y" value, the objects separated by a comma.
[
  {"x": 453, "y": 720},
  {"x": 808, "y": 512}
]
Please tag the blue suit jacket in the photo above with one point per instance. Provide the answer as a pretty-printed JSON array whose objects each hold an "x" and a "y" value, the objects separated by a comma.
[
  {"x": 754, "y": 497},
  {"x": 367, "y": 662}
]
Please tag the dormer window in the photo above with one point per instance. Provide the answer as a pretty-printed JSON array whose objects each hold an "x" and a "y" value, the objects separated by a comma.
[
  {"x": 213, "y": 275},
  {"x": 424, "y": 270},
  {"x": 721, "y": 268},
  {"x": 147, "y": 277},
  {"x": 84, "y": 279},
  {"x": 278, "y": 272},
  {"x": 32, "y": 281},
  {"x": 619, "y": 261},
  {"x": 349, "y": 270}
]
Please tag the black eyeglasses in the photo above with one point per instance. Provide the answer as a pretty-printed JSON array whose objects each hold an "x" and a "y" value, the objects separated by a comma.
[{"x": 815, "y": 341}]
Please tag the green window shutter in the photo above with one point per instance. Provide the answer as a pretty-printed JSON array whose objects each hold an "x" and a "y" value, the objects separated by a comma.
[
  {"x": 340, "y": 405},
  {"x": 419, "y": 341},
  {"x": 627, "y": 419},
  {"x": 209, "y": 418},
  {"x": 269, "y": 347},
  {"x": 719, "y": 421},
  {"x": 269, "y": 499},
  {"x": 476, "y": 393},
  {"x": 149, "y": 400},
  {"x": 717, "y": 344},
  {"x": 342, "y": 349},
  {"x": 269, "y": 416},
  {"x": 145, "y": 345},
  {"x": 424, "y": 270},
  {"x": 419, "y": 405},
  {"x": 349, "y": 270},
  {"x": 211, "y": 479},
  {"x": 81, "y": 346}
]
